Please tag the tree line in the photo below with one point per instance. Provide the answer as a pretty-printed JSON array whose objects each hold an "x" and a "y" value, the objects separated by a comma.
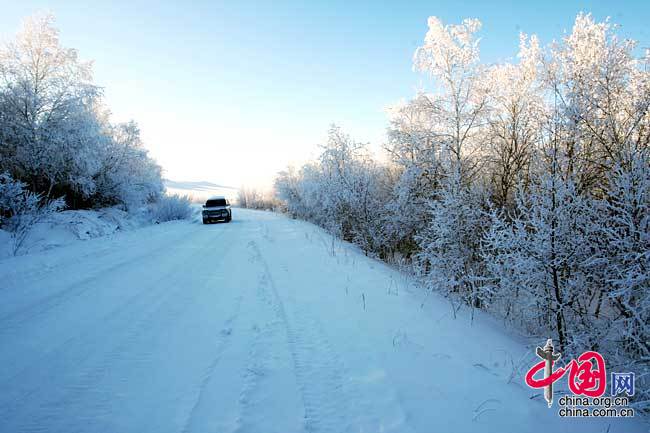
[
  {"x": 55, "y": 133},
  {"x": 519, "y": 188},
  {"x": 58, "y": 147}
]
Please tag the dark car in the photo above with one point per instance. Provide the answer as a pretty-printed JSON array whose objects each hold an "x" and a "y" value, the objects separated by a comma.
[{"x": 217, "y": 209}]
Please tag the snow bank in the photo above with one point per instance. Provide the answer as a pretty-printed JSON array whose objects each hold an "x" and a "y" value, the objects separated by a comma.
[{"x": 70, "y": 226}]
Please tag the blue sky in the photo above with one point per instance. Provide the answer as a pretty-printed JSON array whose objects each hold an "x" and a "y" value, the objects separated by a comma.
[{"x": 232, "y": 91}]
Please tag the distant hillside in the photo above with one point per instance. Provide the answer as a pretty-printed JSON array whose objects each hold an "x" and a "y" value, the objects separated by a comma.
[
  {"x": 199, "y": 191},
  {"x": 196, "y": 186}
]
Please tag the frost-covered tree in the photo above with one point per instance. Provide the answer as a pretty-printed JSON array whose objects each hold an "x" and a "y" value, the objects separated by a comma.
[
  {"x": 46, "y": 97},
  {"x": 450, "y": 55},
  {"x": 405, "y": 212},
  {"x": 349, "y": 194},
  {"x": 603, "y": 92},
  {"x": 518, "y": 188},
  {"x": 625, "y": 256},
  {"x": 516, "y": 112},
  {"x": 171, "y": 207},
  {"x": 414, "y": 149},
  {"x": 413, "y": 141},
  {"x": 254, "y": 198},
  {"x": 21, "y": 209},
  {"x": 541, "y": 260},
  {"x": 127, "y": 174},
  {"x": 287, "y": 187},
  {"x": 55, "y": 134},
  {"x": 625, "y": 262},
  {"x": 451, "y": 243},
  {"x": 343, "y": 191}
]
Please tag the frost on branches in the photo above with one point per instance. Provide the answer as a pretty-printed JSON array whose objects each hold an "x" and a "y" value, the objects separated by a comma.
[
  {"x": 518, "y": 188},
  {"x": 55, "y": 136},
  {"x": 20, "y": 209}
]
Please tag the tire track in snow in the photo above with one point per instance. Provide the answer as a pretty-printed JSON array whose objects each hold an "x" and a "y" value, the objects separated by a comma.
[
  {"x": 58, "y": 357},
  {"x": 253, "y": 372},
  {"x": 77, "y": 288},
  {"x": 372, "y": 402},
  {"x": 225, "y": 335},
  {"x": 147, "y": 295},
  {"x": 322, "y": 377},
  {"x": 167, "y": 312},
  {"x": 74, "y": 393},
  {"x": 268, "y": 377},
  {"x": 96, "y": 250}
]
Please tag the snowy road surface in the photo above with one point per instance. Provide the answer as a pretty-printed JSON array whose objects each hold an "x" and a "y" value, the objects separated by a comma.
[{"x": 261, "y": 325}]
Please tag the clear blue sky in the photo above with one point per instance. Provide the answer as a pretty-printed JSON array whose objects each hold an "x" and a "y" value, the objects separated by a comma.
[{"x": 232, "y": 91}]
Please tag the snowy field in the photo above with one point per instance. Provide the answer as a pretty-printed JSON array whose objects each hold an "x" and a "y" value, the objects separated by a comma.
[{"x": 262, "y": 325}]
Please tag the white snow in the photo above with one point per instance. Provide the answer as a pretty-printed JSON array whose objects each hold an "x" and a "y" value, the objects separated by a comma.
[
  {"x": 265, "y": 324},
  {"x": 199, "y": 191},
  {"x": 63, "y": 228}
]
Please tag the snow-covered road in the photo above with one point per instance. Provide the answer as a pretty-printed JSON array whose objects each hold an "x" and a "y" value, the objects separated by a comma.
[{"x": 261, "y": 325}]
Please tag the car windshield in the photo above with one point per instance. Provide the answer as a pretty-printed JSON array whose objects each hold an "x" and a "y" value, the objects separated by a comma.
[{"x": 216, "y": 202}]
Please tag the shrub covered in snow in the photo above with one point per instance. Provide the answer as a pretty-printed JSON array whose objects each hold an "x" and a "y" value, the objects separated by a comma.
[
  {"x": 21, "y": 209},
  {"x": 171, "y": 207},
  {"x": 252, "y": 198},
  {"x": 450, "y": 244}
]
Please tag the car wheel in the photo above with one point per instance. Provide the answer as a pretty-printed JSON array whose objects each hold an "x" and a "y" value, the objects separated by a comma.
[{"x": 205, "y": 221}]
